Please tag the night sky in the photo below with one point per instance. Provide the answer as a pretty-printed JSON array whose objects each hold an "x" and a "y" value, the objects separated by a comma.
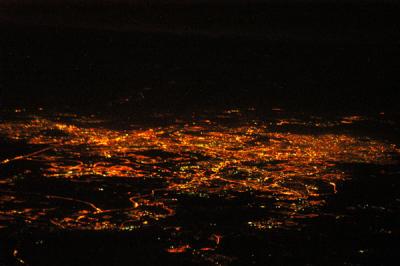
[{"x": 296, "y": 53}]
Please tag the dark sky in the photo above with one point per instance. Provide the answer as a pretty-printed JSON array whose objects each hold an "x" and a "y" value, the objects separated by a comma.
[
  {"x": 299, "y": 53},
  {"x": 244, "y": 16}
]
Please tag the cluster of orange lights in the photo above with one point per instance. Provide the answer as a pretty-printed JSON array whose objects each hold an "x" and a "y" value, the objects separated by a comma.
[{"x": 203, "y": 158}]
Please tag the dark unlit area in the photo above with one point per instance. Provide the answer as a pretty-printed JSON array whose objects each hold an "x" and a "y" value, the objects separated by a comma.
[{"x": 179, "y": 56}]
